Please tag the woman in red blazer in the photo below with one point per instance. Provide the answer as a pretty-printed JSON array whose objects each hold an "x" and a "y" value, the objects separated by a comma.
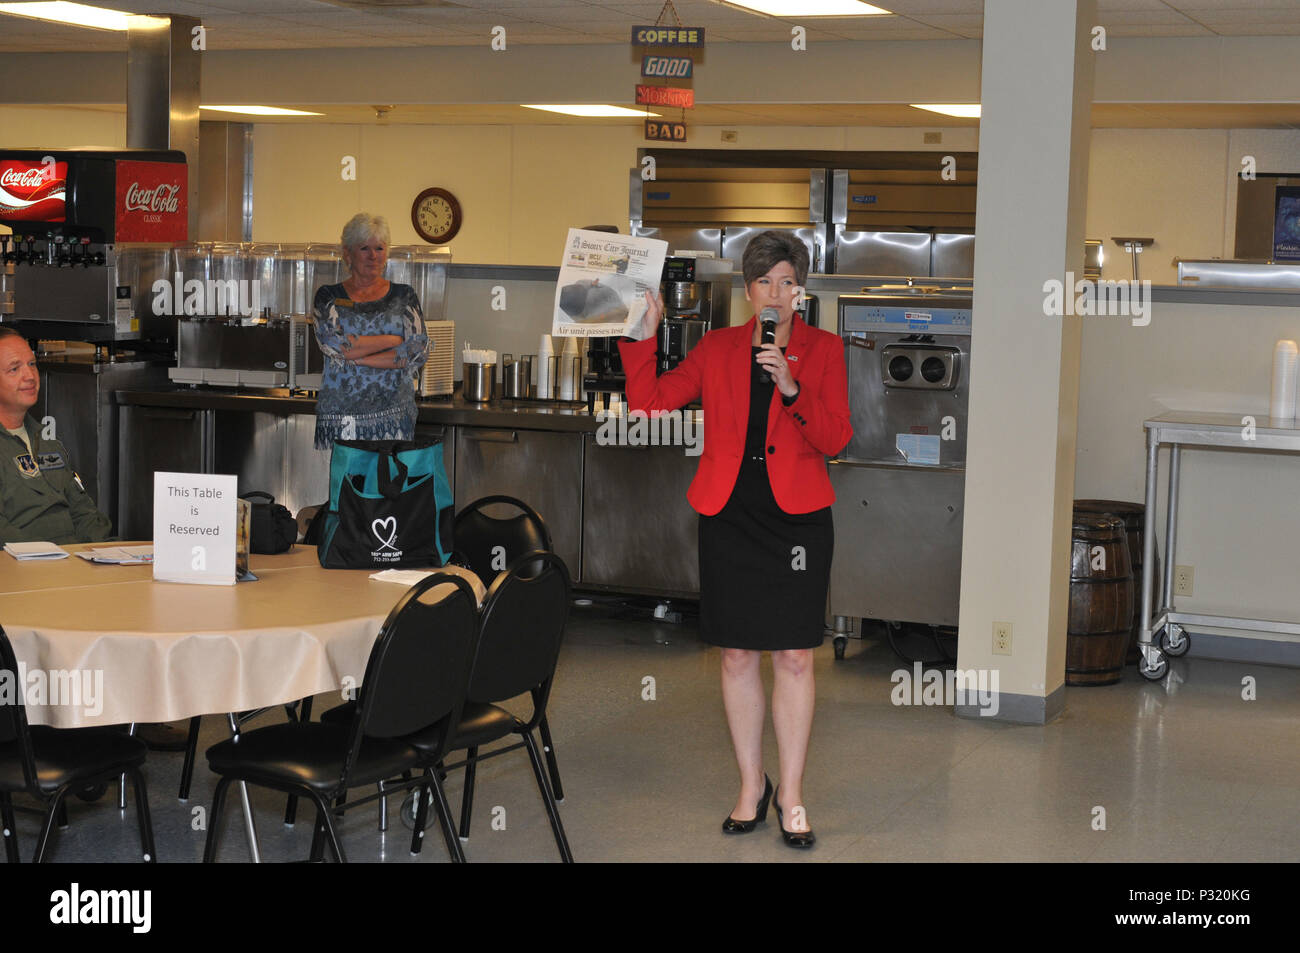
[{"x": 772, "y": 414}]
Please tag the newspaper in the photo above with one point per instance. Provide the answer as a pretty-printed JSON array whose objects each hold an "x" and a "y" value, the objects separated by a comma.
[{"x": 603, "y": 281}]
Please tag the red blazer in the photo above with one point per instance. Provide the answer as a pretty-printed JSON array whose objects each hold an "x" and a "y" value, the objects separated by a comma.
[{"x": 799, "y": 437}]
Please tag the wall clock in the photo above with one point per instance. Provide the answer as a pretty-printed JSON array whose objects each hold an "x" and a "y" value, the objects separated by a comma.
[{"x": 436, "y": 215}]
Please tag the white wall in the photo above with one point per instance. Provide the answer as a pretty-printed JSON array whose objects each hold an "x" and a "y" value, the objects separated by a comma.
[{"x": 39, "y": 127}]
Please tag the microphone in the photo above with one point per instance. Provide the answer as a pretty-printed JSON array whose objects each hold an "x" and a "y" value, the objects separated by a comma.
[{"x": 768, "y": 317}]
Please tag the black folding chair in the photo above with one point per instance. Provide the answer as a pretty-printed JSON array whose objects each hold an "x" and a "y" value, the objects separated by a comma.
[
  {"x": 520, "y": 632},
  {"x": 192, "y": 742},
  {"x": 414, "y": 687},
  {"x": 49, "y": 763},
  {"x": 491, "y": 543}
]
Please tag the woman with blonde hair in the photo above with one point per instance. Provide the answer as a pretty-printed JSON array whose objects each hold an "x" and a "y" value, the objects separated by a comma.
[{"x": 371, "y": 333}]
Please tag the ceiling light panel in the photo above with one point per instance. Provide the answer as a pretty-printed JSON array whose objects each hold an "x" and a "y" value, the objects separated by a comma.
[{"x": 810, "y": 8}]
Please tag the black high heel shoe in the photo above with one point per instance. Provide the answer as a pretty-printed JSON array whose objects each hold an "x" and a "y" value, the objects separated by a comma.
[
  {"x": 733, "y": 826},
  {"x": 793, "y": 838}
]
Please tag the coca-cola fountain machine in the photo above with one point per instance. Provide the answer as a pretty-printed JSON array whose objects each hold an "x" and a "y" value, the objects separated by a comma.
[
  {"x": 91, "y": 229},
  {"x": 88, "y": 230}
]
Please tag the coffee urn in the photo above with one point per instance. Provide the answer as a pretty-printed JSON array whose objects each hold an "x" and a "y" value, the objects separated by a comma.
[{"x": 697, "y": 299}]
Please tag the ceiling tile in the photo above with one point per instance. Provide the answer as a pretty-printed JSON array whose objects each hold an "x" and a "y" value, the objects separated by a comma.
[{"x": 1164, "y": 29}]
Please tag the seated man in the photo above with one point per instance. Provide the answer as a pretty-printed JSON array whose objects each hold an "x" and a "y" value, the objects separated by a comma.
[{"x": 41, "y": 496}]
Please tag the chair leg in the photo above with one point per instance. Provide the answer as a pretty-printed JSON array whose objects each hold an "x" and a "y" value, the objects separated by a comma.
[
  {"x": 11, "y": 829},
  {"x": 443, "y": 807},
  {"x": 61, "y": 818},
  {"x": 317, "y": 853},
  {"x": 548, "y": 746},
  {"x": 323, "y": 816},
  {"x": 467, "y": 796},
  {"x": 214, "y": 820},
  {"x": 557, "y": 826},
  {"x": 43, "y": 841},
  {"x": 383, "y": 809},
  {"x": 421, "y": 815},
  {"x": 121, "y": 784},
  {"x": 191, "y": 750},
  {"x": 142, "y": 815},
  {"x": 291, "y": 804}
]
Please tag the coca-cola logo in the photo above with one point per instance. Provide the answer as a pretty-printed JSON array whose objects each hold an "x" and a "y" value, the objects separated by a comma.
[
  {"x": 24, "y": 178},
  {"x": 161, "y": 198}
]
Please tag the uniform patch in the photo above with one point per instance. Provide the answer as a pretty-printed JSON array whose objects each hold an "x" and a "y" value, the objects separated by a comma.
[
  {"x": 53, "y": 460},
  {"x": 26, "y": 465}
]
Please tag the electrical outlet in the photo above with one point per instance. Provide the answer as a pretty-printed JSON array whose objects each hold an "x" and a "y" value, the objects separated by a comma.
[
  {"x": 1183, "y": 576},
  {"x": 730, "y": 135},
  {"x": 1001, "y": 638},
  {"x": 932, "y": 138}
]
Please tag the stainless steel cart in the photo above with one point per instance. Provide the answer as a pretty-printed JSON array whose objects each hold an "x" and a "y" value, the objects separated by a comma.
[{"x": 1162, "y": 633}]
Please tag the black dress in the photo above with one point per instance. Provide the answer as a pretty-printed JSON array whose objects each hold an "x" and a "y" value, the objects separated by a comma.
[{"x": 764, "y": 573}]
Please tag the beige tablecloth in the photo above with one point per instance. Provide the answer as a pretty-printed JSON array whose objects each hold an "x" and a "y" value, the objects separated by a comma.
[{"x": 116, "y": 647}]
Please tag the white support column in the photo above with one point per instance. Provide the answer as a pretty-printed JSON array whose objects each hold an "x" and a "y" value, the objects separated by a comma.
[{"x": 1036, "y": 92}]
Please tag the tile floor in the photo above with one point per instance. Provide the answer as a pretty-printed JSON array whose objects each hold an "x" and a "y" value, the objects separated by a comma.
[{"x": 1185, "y": 770}]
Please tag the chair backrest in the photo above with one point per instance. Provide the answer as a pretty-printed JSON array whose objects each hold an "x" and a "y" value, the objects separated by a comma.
[
  {"x": 420, "y": 664},
  {"x": 13, "y": 711},
  {"x": 490, "y": 544},
  {"x": 520, "y": 629}
]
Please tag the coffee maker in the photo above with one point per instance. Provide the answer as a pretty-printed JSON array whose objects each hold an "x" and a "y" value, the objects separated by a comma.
[{"x": 697, "y": 299}]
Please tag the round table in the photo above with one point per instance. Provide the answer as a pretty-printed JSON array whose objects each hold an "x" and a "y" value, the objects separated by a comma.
[{"x": 145, "y": 651}]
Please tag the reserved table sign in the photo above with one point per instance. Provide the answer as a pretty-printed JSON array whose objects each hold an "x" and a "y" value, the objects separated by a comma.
[{"x": 194, "y": 525}]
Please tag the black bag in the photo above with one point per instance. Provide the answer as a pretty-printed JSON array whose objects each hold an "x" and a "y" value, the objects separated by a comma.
[
  {"x": 390, "y": 506},
  {"x": 272, "y": 528}
]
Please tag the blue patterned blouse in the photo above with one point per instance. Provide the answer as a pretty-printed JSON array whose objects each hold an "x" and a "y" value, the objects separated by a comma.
[{"x": 367, "y": 403}]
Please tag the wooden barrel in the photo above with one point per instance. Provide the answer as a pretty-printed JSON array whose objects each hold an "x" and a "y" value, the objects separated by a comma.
[
  {"x": 1101, "y": 601},
  {"x": 1133, "y": 515}
]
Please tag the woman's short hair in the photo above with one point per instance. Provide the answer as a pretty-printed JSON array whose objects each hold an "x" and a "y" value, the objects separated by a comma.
[
  {"x": 768, "y": 249},
  {"x": 364, "y": 227}
]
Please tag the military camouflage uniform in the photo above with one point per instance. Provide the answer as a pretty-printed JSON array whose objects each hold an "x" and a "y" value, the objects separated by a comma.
[{"x": 41, "y": 497}]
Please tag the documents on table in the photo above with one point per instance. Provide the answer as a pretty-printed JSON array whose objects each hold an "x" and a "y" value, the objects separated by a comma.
[
  {"x": 35, "y": 551},
  {"x": 119, "y": 555},
  {"x": 403, "y": 577},
  {"x": 409, "y": 577}
]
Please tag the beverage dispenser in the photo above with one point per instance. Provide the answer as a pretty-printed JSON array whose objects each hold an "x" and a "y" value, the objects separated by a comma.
[{"x": 87, "y": 227}]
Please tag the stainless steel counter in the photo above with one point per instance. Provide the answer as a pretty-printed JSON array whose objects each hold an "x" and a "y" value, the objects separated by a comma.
[
  {"x": 456, "y": 411},
  {"x": 618, "y": 515}
]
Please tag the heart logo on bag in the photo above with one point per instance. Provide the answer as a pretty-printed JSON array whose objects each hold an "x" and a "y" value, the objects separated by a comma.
[{"x": 379, "y": 527}]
